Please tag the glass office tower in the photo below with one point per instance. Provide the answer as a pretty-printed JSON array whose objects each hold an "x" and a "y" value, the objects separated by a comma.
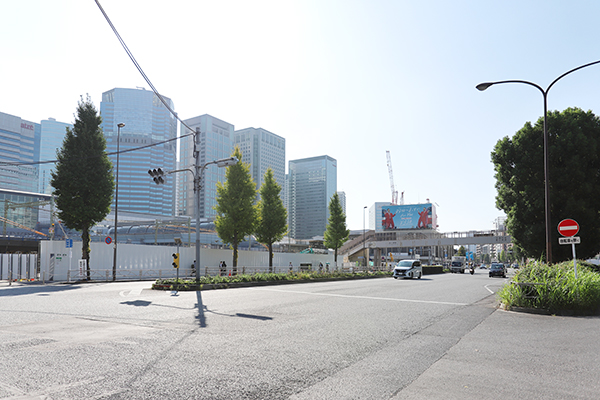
[
  {"x": 216, "y": 142},
  {"x": 262, "y": 150},
  {"x": 148, "y": 127},
  {"x": 19, "y": 153},
  {"x": 51, "y": 140},
  {"x": 312, "y": 183}
]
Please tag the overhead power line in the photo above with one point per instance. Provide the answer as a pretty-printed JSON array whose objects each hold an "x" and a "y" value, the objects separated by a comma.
[{"x": 139, "y": 68}]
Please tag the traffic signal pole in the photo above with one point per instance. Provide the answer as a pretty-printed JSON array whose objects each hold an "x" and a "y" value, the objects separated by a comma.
[{"x": 197, "y": 173}]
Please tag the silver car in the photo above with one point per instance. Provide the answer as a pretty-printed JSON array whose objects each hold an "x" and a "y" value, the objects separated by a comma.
[{"x": 408, "y": 269}]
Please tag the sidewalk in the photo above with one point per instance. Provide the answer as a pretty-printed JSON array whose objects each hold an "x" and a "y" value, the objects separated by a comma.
[{"x": 514, "y": 355}]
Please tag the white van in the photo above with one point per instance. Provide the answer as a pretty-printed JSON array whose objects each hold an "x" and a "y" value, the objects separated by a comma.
[{"x": 408, "y": 269}]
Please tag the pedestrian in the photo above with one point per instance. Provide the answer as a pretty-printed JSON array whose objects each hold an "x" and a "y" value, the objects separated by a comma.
[{"x": 291, "y": 266}]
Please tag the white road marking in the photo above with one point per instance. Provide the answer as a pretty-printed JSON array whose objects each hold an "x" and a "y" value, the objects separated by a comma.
[
  {"x": 134, "y": 292},
  {"x": 362, "y": 297}
]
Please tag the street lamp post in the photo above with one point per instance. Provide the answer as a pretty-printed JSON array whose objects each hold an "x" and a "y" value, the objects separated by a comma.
[
  {"x": 484, "y": 86},
  {"x": 114, "y": 271},
  {"x": 364, "y": 236}
]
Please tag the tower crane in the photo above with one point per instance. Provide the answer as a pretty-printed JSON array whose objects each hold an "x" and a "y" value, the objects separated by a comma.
[{"x": 394, "y": 191}]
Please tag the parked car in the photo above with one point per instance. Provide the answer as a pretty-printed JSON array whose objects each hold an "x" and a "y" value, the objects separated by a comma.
[
  {"x": 408, "y": 269},
  {"x": 497, "y": 269}
]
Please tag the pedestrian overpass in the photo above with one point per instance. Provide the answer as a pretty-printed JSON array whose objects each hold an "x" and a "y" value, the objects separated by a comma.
[{"x": 429, "y": 244}]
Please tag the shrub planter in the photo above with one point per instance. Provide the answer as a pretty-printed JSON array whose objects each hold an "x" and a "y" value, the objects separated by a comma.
[{"x": 191, "y": 286}]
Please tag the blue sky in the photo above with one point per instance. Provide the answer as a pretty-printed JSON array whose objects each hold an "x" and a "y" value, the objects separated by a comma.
[{"x": 350, "y": 79}]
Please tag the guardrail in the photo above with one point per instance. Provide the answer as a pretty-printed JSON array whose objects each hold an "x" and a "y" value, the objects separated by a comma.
[{"x": 74, "y": 275}]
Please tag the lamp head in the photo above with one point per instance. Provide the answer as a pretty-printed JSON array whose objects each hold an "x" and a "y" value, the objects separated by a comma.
[
  {"x": 226, "y": 162},
  {"x": 483, "y": 86}
]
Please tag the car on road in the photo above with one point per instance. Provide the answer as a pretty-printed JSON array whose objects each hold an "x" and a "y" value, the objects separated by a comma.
[
  {"x": 497, "y": 269},
  {"x": 408, "y": 269}
]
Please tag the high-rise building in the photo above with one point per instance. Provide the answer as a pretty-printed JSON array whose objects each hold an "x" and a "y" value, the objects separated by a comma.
[
  {"x": 51, "y": 140},
  {"x": 342, "y": 196},
  {"x": 312, "y": 183},
  {"x": 215, "y": 142},
  {"x": 19, "y": 153},
  {"x": 262, "y": 150},
  {"x": 151, "y": 130}
]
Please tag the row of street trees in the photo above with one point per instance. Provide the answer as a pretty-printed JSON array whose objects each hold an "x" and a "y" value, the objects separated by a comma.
[
  {"x": 83, "y": 183},
  {"x": 238, "y": 216}
]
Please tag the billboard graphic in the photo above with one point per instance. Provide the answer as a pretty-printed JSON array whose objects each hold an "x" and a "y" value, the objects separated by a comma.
[{"x": 409, "y": 216}]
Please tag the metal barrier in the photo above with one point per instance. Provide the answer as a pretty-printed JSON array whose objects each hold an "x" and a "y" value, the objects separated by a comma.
[
  {"x": 19, "y": 267},
  {"x": 74, "y": 275}
]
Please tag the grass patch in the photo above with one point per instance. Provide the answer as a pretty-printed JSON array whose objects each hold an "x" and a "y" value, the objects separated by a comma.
[
  {"x": 182, "y": 284},
  {"x": 554, "y": 288}
]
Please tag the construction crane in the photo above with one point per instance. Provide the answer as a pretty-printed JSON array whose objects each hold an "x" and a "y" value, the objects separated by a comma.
[
  {"x": 394, "y": 191},
  {"x": 32, "y": 204},
  {"x": 18, "y": 225}
]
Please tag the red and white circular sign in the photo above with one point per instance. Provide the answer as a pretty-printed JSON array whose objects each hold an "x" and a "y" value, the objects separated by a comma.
[{"x": 568, "y": 227}]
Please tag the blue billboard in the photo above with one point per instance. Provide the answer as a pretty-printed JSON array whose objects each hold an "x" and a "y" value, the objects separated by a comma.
[{"x": 408, "y": 216}]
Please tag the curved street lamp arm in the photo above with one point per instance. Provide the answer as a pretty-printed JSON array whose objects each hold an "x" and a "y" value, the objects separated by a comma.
[
  {"x": 485, "y": 85},
  {"x": 568, "y": 72}
]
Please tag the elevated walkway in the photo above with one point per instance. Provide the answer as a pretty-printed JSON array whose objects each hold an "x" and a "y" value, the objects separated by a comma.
[{"x": 420, "y": 238}]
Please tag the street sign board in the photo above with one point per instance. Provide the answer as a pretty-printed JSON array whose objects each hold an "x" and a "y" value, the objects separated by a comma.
[
  {"x": 569, "y": 240},
  {"x": 69, "y": 243},
  {"x": 568, "y": 227},
  {"x": 108, "y": 240}
]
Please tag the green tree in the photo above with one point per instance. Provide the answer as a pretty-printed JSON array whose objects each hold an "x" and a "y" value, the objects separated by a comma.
[
  {"x": 83, "y": 178},
  {"x": 336, "y": 233},
  {"x": 502, "y": 256},
  {"x": 271, "y": 224},
  {"x": 461, "y": 251},
  {"x": 574, "y": 159},
  {"x": 236, "y": 212}
]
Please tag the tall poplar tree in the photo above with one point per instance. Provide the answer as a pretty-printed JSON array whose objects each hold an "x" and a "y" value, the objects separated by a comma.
[
  {"x": 336, "y": 233},
  {"x": 272, "y": 216},
  {"x": 83, "y": 178},
  {"x": 236, "y": 212}
]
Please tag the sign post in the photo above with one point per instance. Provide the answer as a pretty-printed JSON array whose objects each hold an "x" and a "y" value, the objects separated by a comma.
[
  {"x": 69, "y": 245},
  {"x": 569, "y": 228}
]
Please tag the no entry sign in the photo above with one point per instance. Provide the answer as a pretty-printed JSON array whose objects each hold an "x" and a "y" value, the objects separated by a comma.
[{"x": 568, "y": 227}]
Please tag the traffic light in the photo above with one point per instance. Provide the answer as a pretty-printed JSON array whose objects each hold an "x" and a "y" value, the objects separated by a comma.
[
  {"x": 157, "y": 175},
  {"x": 175, "y": 260}
]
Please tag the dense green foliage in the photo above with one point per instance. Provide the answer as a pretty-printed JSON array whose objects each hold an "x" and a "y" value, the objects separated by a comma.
[
  {"x": 236, "y": 212},
  {"x": 83, "y": 178},
  {"x": 574, "y": 158},
  {"x": 271, "y": 224},
  {"x": 554, "y": 288},
  {"x": 336, "y": 233}
]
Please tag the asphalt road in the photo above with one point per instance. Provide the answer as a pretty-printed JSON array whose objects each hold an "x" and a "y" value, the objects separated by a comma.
[{"x": 362, "y": 339}]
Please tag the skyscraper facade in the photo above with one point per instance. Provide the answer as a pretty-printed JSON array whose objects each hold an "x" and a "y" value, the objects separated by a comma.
[
  {"x": 262, "y": 150},
  {"x": 215, "y": 142},
  {"x": 312, "y": 183},
  {"x": 51, "y": 140},
  {"x": 19, "y": 153},
  {"x": 150, "y": 131},
  {"x": 342, "y": 196}
]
